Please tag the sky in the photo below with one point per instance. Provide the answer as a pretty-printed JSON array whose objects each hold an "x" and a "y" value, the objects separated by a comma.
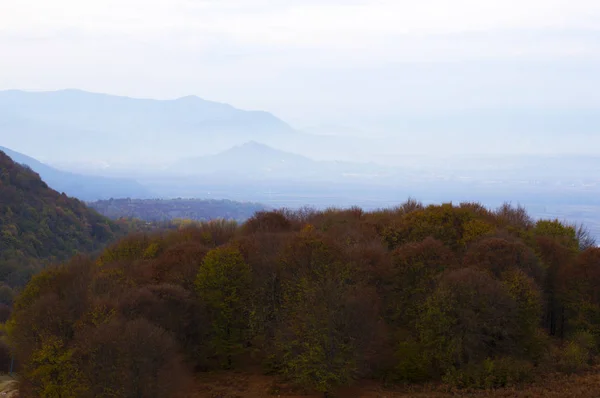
[{"x": 312, "y": 61}]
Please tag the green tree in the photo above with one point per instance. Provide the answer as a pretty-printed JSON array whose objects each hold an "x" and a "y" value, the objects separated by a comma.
[
  {"x": 528, "y": 297},
  {"x": 330, "y": 321},
  {"x": 223, "y": 287},
  {"x": 416, "y": 267},
  {"x": 52, "y": 372},
  {"x": 470, "y": 317},
  {"x": 578, "y": 290}
]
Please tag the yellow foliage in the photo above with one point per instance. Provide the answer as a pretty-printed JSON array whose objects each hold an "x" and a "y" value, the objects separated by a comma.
[
  {"x": 475, "y": 229},
  {"x": 152, "y": 250},
  {"x": 53, "y": 372},
  {"x": 308, "y": 229}
]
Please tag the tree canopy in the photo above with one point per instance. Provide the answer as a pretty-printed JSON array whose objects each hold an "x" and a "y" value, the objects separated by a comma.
[{"x": 455, "y": 293}]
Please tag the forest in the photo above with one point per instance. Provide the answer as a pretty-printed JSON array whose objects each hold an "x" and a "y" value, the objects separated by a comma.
[
  {"x": 454, "y": 294},
  {"x": 39, "y": 226},
  {"x": 165, "y": 210}
]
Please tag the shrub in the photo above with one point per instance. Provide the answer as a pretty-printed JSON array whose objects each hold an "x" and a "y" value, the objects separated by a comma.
[
  {"x": 490, "y": 374},
  {"x": 577, "y": 353},
  {"x": 411, "y": 366}
]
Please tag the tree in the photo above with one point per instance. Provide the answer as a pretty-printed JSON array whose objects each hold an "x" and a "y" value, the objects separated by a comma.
[
  {"x": 223, "y": 287},
  {"x": 578, "y": 289},
  {"x": 52, "y": 372},
  {"x": 267, "y": 221},
  {"x": 179, "y": 263},
  {"x": 528, "y": 315},
  {"x": 499, "y": 255},
  {"x": 330, "y": 321},
  {"x": 175, "y": 310},
  {"x": 470, "y": 317},
  {"x": 262, "y": 251},
  {"x": 585, "y": 237},
  {"x": 554, "y": 229},
  {"x": 129, "y": 359},
  {"x": 557, "y": 257},
  {"x": 453, "y": 226},
  {"x": 416, "y": 267}
]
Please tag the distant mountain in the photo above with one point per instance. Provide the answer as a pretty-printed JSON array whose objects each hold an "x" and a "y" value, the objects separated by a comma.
[
  {"x": 259, "y": 161},
  {"x": 249, "y": 158},
  {"x": 80, "y": 186},
  {"x": 39, "y": 225},
  {"x": 77, "y": 125}
]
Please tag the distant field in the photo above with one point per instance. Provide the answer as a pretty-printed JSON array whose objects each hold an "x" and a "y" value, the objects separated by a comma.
[{"x": 169, "y": 209}]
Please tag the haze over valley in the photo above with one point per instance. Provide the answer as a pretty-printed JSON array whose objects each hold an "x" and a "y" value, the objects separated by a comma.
[{"x": 194, "y": 148}]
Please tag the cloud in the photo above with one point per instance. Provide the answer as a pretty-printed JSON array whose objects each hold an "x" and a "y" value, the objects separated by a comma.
[{"x": 297, "y": 22}]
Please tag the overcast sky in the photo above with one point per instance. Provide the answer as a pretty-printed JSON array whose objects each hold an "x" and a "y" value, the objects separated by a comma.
[{"x": 311, "y": 61}]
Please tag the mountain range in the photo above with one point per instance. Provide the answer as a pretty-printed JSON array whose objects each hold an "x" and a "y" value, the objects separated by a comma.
[
  {"x": 118, "y": 131},
  {"x": 100, "y": 127}
]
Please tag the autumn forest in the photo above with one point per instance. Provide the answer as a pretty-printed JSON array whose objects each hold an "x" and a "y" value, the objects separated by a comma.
[{"x": 456, "y": 294}]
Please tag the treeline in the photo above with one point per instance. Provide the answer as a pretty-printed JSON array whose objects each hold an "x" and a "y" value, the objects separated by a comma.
[
  {"x": 457, "y": 294},
  {"x": 164, "y": 210}
]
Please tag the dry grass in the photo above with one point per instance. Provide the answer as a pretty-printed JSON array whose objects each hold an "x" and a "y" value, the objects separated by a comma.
[
  {"x": 246, "y": 385},
  {"x": 251, "y": 385},
  {"x": 8, "y": 387}
]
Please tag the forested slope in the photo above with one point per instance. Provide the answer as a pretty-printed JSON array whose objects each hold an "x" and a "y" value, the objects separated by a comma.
[
  {"x": 39, "y": 225},
  {"x": 455, "y": 294}
]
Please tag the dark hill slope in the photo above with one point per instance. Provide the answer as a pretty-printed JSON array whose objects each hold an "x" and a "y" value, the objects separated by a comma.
[{"x": 38, "y": 225}]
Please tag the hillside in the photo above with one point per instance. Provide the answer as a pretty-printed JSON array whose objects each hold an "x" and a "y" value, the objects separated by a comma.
[
  {"x": 82, "y": 187},
  {"x": 327, "y": 302},
  {"x": 112, "y": 128},
  {"x": 156, "y": 210},
  {"x": 39, "y": 225}
]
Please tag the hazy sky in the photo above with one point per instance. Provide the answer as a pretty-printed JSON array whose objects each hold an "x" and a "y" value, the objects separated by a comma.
[{"x": 311, "y": 61}]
